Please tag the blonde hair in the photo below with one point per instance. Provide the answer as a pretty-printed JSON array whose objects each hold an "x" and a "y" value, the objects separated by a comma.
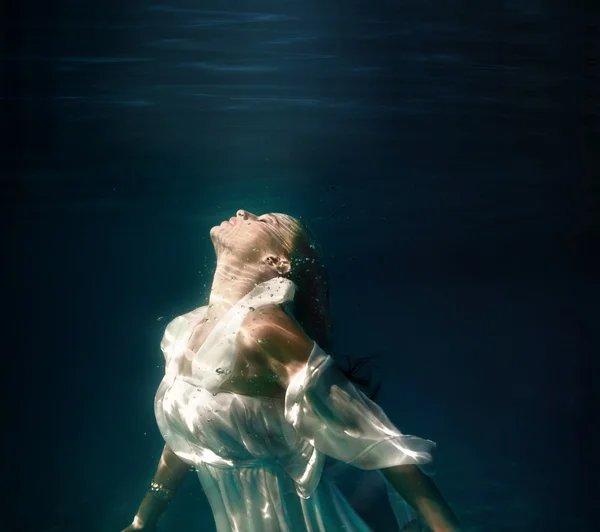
[
  {"x": 312, "y": 304},
  {"x": 312, "y": 308}
]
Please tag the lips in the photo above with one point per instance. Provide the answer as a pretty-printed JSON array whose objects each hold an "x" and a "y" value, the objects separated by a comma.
[{"x": 232, "y": 220}]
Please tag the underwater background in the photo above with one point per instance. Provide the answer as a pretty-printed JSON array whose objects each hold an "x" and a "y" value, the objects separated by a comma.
[{"x": 438, "y": 153}]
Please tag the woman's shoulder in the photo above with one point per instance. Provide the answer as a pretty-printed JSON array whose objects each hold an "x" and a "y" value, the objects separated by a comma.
[
  {"x": 267, "y": 321},
  {"x": 190, "y": 316},
  {"x": 272, "y": 336}
]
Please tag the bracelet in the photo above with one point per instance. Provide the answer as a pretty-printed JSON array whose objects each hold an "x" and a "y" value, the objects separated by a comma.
[{"x": 160, "y": 492}]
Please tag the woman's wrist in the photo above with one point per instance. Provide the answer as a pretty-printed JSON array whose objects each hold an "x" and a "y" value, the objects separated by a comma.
[
  {"x": 150, "y": 511},
  {"x": 138, "y": 524}
]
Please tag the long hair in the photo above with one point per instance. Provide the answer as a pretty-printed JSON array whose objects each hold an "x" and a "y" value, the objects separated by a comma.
[{"x": 312, "y": 304}]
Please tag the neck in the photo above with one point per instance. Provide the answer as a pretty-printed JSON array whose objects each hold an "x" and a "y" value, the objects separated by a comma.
[{"x": 231, "y": 283}]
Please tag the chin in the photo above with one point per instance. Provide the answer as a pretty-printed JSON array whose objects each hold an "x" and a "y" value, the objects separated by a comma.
[{"x": 214, "y": 232}]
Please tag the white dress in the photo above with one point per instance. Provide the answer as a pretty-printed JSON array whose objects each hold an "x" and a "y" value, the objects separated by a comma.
[{"x": 259, "y": 459}]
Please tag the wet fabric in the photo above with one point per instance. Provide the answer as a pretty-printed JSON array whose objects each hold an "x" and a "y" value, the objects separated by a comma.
[{"x": 261, "y": 460}]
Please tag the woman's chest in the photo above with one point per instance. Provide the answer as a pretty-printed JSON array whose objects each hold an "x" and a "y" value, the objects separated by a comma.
[{"x": 245, "y": 378}]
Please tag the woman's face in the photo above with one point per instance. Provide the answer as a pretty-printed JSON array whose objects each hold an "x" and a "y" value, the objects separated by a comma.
[{"x": 248, "y": 238}]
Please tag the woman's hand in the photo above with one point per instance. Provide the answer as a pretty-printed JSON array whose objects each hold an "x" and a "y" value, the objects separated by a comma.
[{"x": 133, "y": 527}]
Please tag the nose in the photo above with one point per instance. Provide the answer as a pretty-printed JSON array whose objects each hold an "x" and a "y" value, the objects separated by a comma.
[{"x": 243, "y": 214}]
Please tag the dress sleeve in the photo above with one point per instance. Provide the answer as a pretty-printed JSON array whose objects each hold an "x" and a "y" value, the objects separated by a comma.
[
  {"x": 177, "y": 332},
  {"x": 172, "y": 336},
  {"x": 340, "y": 421}
]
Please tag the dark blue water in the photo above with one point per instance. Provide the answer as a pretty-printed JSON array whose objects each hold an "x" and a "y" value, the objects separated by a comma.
[{"x": 438, "y": 152}]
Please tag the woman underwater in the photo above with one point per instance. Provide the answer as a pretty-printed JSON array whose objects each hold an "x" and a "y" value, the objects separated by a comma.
[{"x": 253, "y": 403}]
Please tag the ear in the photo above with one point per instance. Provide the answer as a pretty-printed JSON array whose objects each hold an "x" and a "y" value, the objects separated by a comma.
[{"x": 280, "y": 264}]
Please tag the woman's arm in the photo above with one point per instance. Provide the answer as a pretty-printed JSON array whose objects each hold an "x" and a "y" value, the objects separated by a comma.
[
  {"x": 418, "y": 490},
  {"x": 275, "y": 342},
  {"x": 170, "y": 474}
]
